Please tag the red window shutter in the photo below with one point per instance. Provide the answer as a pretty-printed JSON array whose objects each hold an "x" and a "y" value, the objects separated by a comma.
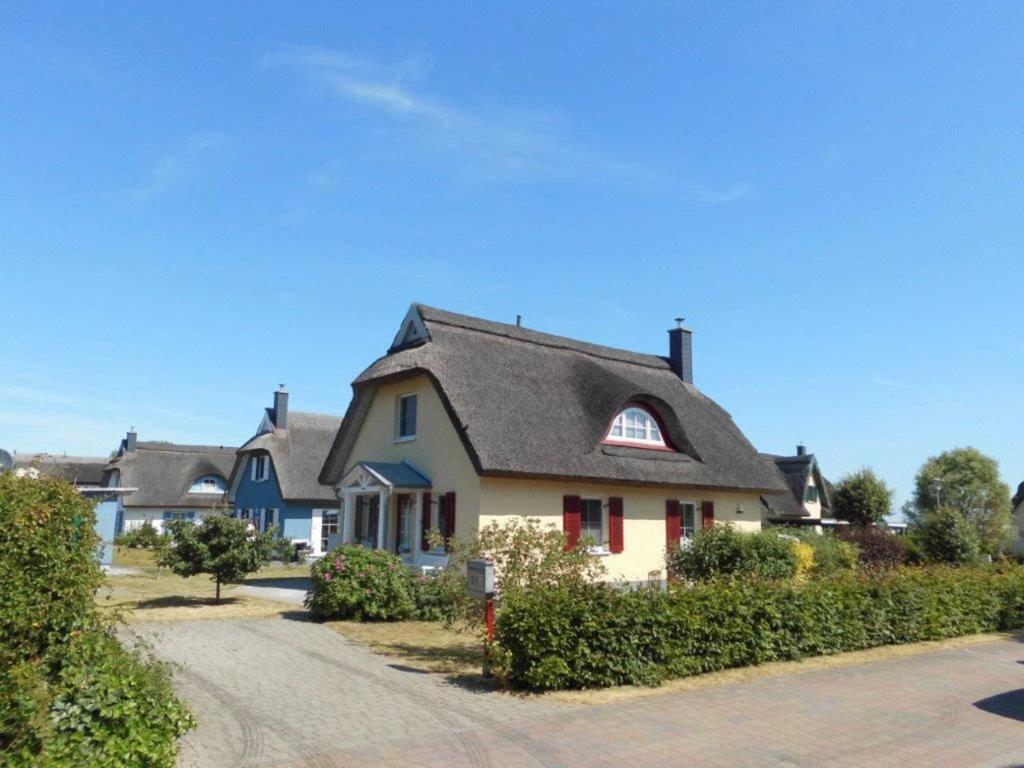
[
  {"x": 707, "y": 514},
  {"x": 615, "y": 541},
  {"x": 571, "y": 520},
  {"x": 449, "y": 511},
  {"x": 673, "y": 523},
  {"x": 425, "y": 522}
]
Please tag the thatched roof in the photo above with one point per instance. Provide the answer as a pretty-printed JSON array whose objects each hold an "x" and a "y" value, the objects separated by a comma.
[{"x": 164, "y": 472}]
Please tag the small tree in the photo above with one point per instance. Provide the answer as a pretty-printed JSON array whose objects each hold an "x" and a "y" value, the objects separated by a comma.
[
  {"x": 945, "y": 536},
  {"x": 862, "y": 498},
  {"x": 222, "y": 546},
  {"x": 968, "y": 481}
]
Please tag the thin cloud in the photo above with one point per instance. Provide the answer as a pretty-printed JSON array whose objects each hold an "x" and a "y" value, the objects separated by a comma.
[
  {"x": 183, "y": 163},
  {"x": 477, "y": 145}
]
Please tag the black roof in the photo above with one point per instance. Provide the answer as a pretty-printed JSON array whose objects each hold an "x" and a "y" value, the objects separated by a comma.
[
  {"x": 531, "y": 404},
  {"x": 77, "y": 470},
  {"x": 795, "y": 471}
]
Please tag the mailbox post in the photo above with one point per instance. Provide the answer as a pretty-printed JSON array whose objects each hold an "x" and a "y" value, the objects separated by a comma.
[{"x": 480, "y": 579}]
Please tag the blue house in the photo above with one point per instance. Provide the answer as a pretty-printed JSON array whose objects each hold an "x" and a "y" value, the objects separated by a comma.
[{"x": 274, "y": 479}]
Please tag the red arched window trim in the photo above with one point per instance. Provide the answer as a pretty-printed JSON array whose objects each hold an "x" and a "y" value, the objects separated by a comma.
[{"x": 608, "y": 440}]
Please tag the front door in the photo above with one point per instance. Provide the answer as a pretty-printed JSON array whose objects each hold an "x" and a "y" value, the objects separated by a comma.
[
  {"x": 404, "y": 503},
  {"x": 367, "y": 518}
]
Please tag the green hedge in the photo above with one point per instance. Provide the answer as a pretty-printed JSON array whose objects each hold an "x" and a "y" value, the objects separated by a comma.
[
  {"x": 595, "y": 635},
  {"x": 70, "y": 694},
  {"x": 723, "y": 550}
]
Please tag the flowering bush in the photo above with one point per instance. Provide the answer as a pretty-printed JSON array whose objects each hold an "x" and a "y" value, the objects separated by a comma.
[{"x": 362, "y": 584}]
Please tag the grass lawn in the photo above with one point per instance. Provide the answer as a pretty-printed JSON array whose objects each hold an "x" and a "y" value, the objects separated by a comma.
[
  {"x": 424, "y": 645},
  {"x": 159, "y": 595}
]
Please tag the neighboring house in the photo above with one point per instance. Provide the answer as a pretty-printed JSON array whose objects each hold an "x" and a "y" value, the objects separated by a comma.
[
  {"x": 80, "y": 471},
  {"x": 466, "y": 421},
  {"x": 807, "y": 500},
  {"x": 274, "y": 479},
  {"x": 1017, "y": 505},
  {"x": 170, "y": 481}
]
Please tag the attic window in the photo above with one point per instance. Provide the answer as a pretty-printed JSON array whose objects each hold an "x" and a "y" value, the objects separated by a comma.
[
  {"x": 636, "y": 426},
  {"x": 208, "y": 484}
]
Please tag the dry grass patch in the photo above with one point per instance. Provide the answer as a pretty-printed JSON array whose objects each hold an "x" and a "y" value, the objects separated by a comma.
[
  {"x": 156, "y": 594},
  {"x": 424, "y": 645}
]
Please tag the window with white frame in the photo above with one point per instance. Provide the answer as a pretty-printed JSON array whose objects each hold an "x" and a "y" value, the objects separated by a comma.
[
  {"x": 688, "y": 513},
  {"x": 406, "y": 515},
  {"x": 592, "y": 521},
  {"x": 405, "y": 417},
  {"x": 270, "y": 519},
  {"x": 208, "y": 484},
  {"x": 328, "y": 527},
  {"x": 637, "y": 426},
  {"x": 811, "y": 494},
  {"x": 260, "y": 468}
]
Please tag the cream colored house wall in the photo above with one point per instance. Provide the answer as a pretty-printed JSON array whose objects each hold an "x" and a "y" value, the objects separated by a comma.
[
  {"x": 436, "y": 450},
  {"x": 643, "y": 554},
  {"x": 813, "y": 508}
]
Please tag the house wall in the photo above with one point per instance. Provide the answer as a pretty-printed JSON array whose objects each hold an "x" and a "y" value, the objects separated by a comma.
[
  {"x": 813, "y": 508},
  {"x": 643, "y": 515},
  {"x": 436, "y": 450},
  {"x": 134, "y": 517}
]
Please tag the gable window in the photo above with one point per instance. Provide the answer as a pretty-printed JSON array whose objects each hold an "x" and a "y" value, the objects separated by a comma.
[
  {"x": 811, "y": 494},
  {"x": 260, "y": 468},
  {"x": 208, "y": 484},
  {"x": 405, "y": 418},
  {"x": 592, "y": 521},
  {"x": 636, "y": 426}
]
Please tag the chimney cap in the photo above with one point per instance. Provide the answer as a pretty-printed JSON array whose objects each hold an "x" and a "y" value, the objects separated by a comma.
[
  {"x": 280, "y": 387},
  {"x": 679, "y": 322}
]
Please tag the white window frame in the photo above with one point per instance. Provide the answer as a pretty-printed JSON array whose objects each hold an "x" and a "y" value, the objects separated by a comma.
[
  {"x": 600, "y": 545},
  {"x": 399, "y": 437},
  {"x": 218, "y": 485},
  {"x": 684, "y": 531},
  {"x": 259, "y": 477},
  {"x": 653, "y": 437}
]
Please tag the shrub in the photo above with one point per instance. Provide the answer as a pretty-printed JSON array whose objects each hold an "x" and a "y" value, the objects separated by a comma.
[
  {"x": 876, "y": 547},
  {"x": 526, "y": 554},
  {"x": 945, "y": 536},
  {"x": 832, "y": 555},
  {"x": 430, "y": 598},
  {"x": 723, "y": 550},
  {"x": 70, "y": 694},
  {"x": 284, "y": 549},
  {"x": 224, "y": 547},
  {"x": 361, "y": 584},
  {"x": 592, "y": 635},
  {"x": 144, "y": 536}
]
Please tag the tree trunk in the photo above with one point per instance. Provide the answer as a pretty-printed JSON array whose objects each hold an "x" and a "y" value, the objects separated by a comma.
[{"x": 217, "y": 600}]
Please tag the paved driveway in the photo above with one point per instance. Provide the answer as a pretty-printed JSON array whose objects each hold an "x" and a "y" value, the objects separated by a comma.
[{"x": 290, "y": 693}]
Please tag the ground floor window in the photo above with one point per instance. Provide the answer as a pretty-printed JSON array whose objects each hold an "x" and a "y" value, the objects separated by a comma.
[
  {"x": 328, "y": 528},
  {"x": 269, "y": 519},
  {"x": 591, "y": 521},
  {"x": 406, "y": 511},
  {"x": 688, "y": 511},
  {"x": 367, "y": 517},
  {"x": 168, "y": 516}
]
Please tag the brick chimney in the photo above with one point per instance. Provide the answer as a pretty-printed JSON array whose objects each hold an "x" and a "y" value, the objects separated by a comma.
[
  {"x": 281, "y": 408},
  {"x": 680, "y": 351}
]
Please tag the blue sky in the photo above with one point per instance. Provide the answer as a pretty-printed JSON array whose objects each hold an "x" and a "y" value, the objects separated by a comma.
[{"x": 198, "y": 203}]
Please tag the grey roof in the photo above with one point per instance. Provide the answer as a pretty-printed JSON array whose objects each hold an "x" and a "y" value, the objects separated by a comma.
[
  {"x": 163, "y": 472},
  {"x": 1018, "y": 498},
  {"x": 298, "y": 454},
  {"x": 795, "y": 471},
  {"x": 397, "y": 475},
  {"x": 77, "y": 470},
  {"x": 531, "y": 404}
]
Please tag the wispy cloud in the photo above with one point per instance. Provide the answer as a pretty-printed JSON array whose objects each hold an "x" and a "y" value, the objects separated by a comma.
[
  {"x": 477, "y": 144},
  {"x": 184, "y": 162}
]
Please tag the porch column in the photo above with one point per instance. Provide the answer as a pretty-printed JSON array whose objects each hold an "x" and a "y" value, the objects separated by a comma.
[
  {"x": 349, "y": 527},
  {"x": 382, "y": 518}
]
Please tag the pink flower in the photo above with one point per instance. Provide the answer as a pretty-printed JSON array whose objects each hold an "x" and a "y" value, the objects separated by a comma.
[
  {"x": 423, "y": 579},
  {"x": 327, "y": 576},
  {"x": 338, "y": 564}
]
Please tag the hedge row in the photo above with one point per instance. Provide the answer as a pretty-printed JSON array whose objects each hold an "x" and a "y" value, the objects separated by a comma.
[
  {"x": 70, "y": 694},
  {"x": 595, "y": 636}
]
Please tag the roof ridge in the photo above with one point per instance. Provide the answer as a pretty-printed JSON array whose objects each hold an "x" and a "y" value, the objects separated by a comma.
[{"x": 541, "y": 338}]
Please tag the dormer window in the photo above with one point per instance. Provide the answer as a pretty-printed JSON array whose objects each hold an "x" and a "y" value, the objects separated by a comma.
[
  {"x": 636, "y": 426},
  {"x": 208, "y": 484},
  {"x": 260, "y": 468}
]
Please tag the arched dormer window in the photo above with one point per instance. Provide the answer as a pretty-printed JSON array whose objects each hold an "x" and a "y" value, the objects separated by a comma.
[
  {"x": 636, "y": 426},
  {"x": 208, "y": 484}
]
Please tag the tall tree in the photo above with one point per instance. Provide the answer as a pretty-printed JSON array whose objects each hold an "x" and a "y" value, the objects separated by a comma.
[
  {"x": 224, "y": 547},
  {"x": 862, "y": 498},
  {"x": 965, "y": 480}
]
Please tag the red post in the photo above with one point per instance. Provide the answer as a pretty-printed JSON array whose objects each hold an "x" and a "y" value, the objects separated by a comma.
[{"x": 489, "y": 618}]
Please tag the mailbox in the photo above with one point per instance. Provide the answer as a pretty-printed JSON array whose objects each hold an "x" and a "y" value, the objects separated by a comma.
[{"x": 480, "y": 575}]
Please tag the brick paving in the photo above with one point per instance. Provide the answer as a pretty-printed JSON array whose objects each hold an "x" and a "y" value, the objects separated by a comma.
[{"x": 278, "y": 692}]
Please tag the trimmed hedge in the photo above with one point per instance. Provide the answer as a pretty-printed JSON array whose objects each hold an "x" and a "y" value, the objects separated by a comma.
[
  {"x": 723, "y": 550},
  {"x": 595, "y": 635},
  {"x": 70, "y": 694}
]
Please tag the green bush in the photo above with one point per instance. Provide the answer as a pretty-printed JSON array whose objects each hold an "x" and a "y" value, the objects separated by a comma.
[
  {"x": 70, "y": 694},
  {"x": 723, "y": 550},
  {"x": 361, "y": 584},
  {"x": 585, "y": 636},
  {"x": 431, "y": 599},
  {"x": 284, "y": 549},
  {"x": 945, "y": 536},
  {"x": 144, "y": 536},
  {"x": 832, "y": 555}
]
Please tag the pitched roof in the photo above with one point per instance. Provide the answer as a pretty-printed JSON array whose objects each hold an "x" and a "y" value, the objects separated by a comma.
[
  {"x": 77, "y": 470},
  {"x": 298, "y": 453},
  {"x": 163, "y": 472},
  {"x": 795, "y": 471},
  {"x": 1018, "y": 498},
  {"x": 531, "y": 404},
  {"x": 397, "y": 474}
]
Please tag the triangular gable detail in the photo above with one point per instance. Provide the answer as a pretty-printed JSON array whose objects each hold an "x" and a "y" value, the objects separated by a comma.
[{"x": 412, "y": 331}]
